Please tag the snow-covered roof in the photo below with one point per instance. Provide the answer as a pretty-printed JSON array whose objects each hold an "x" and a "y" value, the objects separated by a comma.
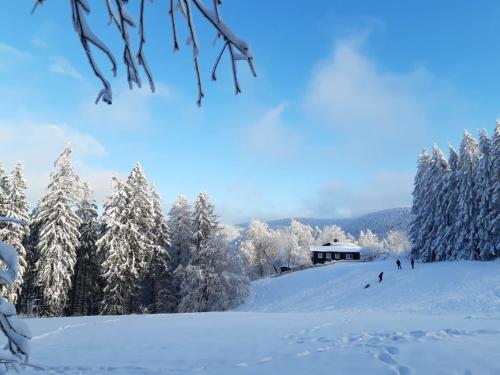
[{"x": 338, "y": 247}]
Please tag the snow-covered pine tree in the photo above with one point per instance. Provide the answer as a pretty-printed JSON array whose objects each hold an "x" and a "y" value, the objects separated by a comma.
[
  {"x": 450, "y": 205},
  {"x": 159, "y": 274},
  {"x": 204, "y": 220},
  {"x": 205, "y": 229},
  {"x": 120, "y": 270},
  {"x": 485, "y": 184},
  {"x": 180, "y": 222},
  {"x": 468, "y": 206},
  {"x": 4, "y": 203},
  {"x": 494, "y": 218},
  {"x": 84, "y": 299},
  {"x": 58, "y": 238},
  {"x": 214, "y": 279},
  {"x": 434, "y": 247},
  {"x": 420, "y": 208},
  {"x": 29, "y": 301},
  {"x": 140, "y": 222},
  {"x": 17, "y": 208},
  {"x": 140, "y": 217}
]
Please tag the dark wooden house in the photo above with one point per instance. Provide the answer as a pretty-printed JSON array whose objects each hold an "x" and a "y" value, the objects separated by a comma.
[{"x": 334, "y": 251}]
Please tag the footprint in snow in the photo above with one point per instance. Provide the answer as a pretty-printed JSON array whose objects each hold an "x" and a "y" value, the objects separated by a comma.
[
  {"x": 386, "y": 358},
  {"x": 392, "y": 350},
  {"x": 497, "y": 292},
  {"x": 403, "y": 370}
]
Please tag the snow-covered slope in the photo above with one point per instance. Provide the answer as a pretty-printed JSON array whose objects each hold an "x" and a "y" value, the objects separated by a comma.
[
  {"x": 434, "y": 288},
  {"x": 438, "y": 319}
]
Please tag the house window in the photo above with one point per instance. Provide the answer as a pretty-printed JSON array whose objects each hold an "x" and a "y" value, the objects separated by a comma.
[
  {"x": 348, "y": 256},
  {"x": 329, "y": 256},
  {"x": 320, "y": 255},
  {"x": 337, "y": 256}
]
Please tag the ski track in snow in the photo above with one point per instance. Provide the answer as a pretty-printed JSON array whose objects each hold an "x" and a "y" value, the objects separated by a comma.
[{"x": 69, "y": 326}]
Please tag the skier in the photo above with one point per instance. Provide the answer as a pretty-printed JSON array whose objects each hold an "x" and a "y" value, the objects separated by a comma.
[
  {"x": 398, "y": 262},
  {"x": 412, "y": 263},
  {"x": 380, "y": 276},
  {"x": 367, "y": 286}
]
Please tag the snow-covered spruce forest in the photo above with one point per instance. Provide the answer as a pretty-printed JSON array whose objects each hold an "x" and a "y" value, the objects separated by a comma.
[
  {"x": 134, "y": 258},
  {"x": 456, "y": 201},
  {"x": 131, "y": 259}
]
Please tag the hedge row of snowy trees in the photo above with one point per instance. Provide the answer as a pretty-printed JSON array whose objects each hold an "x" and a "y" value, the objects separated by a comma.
[
  {"x": 131, "y": 259},
  {"x": 456, "y": 201},
  {"x": 266, "y": 250}
]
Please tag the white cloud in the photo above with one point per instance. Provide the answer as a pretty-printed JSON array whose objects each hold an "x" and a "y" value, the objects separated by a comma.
[
  {"x": 61, "y": 66},
  {"x": 344, "y": 199},
  {"x": 10, "y": 55},
  {"x": 40, "y": 42},
  {"x": 270, "y": 136},
  {"x": 130, "y": 108},
  {"x": 39, "y": 144},
  {"x": 370, "y": 108}
]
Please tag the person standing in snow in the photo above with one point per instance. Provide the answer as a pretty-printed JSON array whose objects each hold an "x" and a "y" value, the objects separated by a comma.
[
  {"x": 380, "y": 276},
  {"x": 412, "y": 263},
  {"x": 398, "y": 262}
]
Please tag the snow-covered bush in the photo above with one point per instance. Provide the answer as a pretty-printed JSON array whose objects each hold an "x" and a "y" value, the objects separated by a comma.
[
  {"x": 293, "y": 245},
  {"x": 371, "y": 246},
  {"x": 260, "y": 250},
  {"x": 398, "y": 244},
  {"x": 329, "y": 233},
  {"x": 214, "y": 280}
]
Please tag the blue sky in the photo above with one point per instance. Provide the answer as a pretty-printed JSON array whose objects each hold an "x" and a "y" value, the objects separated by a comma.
[{"x": 347, "y": 94}]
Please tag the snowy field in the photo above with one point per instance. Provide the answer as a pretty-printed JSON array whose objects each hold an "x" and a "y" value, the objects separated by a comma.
[{"x": 441, "y": 318}]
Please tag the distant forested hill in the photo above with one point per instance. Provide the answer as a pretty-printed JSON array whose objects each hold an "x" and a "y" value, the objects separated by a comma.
[{"x": 379, "y": 222}]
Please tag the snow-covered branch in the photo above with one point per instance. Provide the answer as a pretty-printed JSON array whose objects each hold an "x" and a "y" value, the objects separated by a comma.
[
  {"x": 80, "y": 9},
  {"x": 236, "y": 48}
]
